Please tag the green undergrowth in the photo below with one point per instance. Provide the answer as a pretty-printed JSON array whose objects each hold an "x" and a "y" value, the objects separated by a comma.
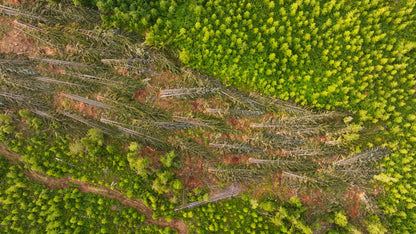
[
  {"x": 245, "y": 215},
  {"x": 30, "y": 206}
]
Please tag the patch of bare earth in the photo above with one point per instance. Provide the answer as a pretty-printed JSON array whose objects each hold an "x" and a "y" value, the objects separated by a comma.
[
  {"x": 352, "y": 202},
  {"x": 239, "y": 124},
  {"x": 153, "y": 154},
  {"x": 86, "y": 187},
  {"x": 15, "y": 41},
  {"x": 313, "y": 198},
  {"x": 192, "y": 172},
  {"x": 230, "y": 137},
  {"x": 198, "y": 105},
  {"x": 234, "y": 159},
  {"x": 141, "y": 95},
  {"x": 87, "y": 110}
]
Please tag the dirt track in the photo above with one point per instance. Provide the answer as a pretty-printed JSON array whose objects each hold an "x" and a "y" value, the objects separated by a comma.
[{"x": 86, "y": 187}]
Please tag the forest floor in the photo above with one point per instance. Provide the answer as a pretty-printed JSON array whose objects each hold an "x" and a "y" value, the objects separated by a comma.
[{"x": 87, "y": 187}]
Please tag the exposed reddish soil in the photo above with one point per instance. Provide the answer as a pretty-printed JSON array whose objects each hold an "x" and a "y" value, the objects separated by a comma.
[
  {"x": 239, "y": 124},
  {"x": 15, "y": 41},
  {"x": 312, "y": 199},
  {"x": 58, "y": 183},
  {"x": 352, "y": 202},
  {"x": 192, "y": 172},
  {"x": 234, "y": 159},
  {"x": 153, "y": 154},
  {"x": 277, "y": 152},
  {"x": 198, "y": 105},
  {"x": 140, "y": 95},
  {"x": 87, "y": 110},
  {"x": 122, "y": 72},
  {"x": 231, "y": 137}
]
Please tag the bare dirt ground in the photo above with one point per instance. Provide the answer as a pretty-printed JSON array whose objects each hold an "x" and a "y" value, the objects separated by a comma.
[
  {"x": 86, "y": 187},
  {"x": 15, "y": 41}
]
